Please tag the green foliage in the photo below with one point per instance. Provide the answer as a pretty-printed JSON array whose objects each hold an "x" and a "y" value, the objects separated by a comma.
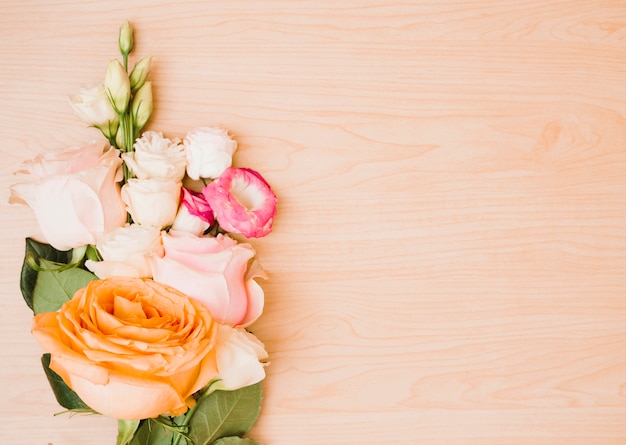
[
  {"x": 160, "y": 431},
  {"x": 235, "y": 441},
  {"x": 55, "y": 286},
  {"x": 50, "y": 277},
  {"x": 224, "y": 414},
  {"x": 35, "y": 251},
  {"x": 126, "y": 430},
  {"x": 67, "y": 398}
]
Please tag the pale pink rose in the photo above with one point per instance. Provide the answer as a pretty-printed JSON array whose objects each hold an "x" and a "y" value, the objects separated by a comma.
[
  {"x": 218, "y": 272},
  {"x": 243, "y": 202},
  {"x": 152, "y": 202},
  {"x": 126, "y": 252},
  {"x": 157, "y": 157},
  {"x": 74, "y": 194},
  {"x": 240, "y": 358},
  {"x": 194, "y": 214},
  {"x": 209, "y": 152}
]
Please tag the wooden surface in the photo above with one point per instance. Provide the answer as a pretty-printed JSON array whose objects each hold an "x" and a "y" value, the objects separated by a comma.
[{"x": 449, "y": 261}]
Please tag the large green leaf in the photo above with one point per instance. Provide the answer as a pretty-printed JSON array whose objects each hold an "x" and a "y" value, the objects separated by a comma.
[
  {"x": 152, "y": 432},
  {"x": 225, "y": 414},
  {"x": 126, "y": 430},
  {"x": 55, "y": 287},
  {"x": 236, "y": 440},
  {"x": 36, "y": 251},
  {"x": 65, "y": 396}
]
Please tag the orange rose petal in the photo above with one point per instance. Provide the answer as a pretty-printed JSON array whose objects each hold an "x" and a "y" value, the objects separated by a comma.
[
  {"x": 126, "y": 397},
  {"x": 128, "y": 310},
  {"x": 75, "y": 365}
]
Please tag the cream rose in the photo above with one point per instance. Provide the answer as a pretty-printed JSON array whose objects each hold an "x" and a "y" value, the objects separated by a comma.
[
  {"x": 152, "y": 202},
  {"x": 131, "y": 348},
  {"x": 209, "y": 152},
  {"x": 218, "y": 272},
  {"x": 157, "y": 157},
  {"x": 126, "y": 252},
  {"x": 74, "y": 194},
  {"x": 241, "y": 358}
]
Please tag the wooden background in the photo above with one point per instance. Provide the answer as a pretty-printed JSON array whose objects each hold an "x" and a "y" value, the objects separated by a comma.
[{"x": 449, "y": 261}]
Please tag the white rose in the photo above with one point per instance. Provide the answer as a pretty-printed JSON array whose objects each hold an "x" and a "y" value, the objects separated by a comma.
[
  {"x": 152, "y": 202},
  {"x": 240, "y": 358},
  {"x": 126, "y": 252},
  {"x": 92, "y": 106},
  {"x": 209, "y": 152},
  {"x": 156, "y": 157}
]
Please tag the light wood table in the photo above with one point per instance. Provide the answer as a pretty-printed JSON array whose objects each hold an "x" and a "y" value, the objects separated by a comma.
[{"x": 449, "y": 261}]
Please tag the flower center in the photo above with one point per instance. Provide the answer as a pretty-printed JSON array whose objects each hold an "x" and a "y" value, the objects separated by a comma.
[{"x": 247, "y": 194}]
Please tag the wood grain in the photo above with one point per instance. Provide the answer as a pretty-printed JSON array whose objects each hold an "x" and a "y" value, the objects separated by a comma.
[{"x": 449, "y": 261}]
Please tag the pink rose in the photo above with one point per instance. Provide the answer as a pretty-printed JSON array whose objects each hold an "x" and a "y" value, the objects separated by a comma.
[
  {"x": 218, "y": 272},
  {"x": 243, "y": 202},
  {"x": 74, "y": 194}
]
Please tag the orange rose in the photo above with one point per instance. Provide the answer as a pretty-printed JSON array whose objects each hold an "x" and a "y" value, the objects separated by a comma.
[{"x": 131, "y": 348}]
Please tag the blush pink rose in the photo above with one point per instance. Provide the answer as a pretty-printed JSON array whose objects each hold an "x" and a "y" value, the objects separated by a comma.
[
  {"x": 243, "y": 202},
  {"x": 74, "y": 193},
  {"x": 217, "y": 271}
]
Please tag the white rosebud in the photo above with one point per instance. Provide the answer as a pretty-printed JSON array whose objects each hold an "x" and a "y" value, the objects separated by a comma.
[
  {"x": 117, "y": 86},
  {"x": 141, "y": 107},
  {"x": 209, "y": 152},
  {"x": 126, "y": 252},
  {"x": 240, "y": 358},
  {"x": 125, "y": 38},
  {"x": 140, "y": 72},
  {"x": 152, "y": 202},
  {"x": 157, "y": 157}
]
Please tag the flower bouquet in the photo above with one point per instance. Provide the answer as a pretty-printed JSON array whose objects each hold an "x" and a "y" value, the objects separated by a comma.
[{"x": 141, "y": 298}]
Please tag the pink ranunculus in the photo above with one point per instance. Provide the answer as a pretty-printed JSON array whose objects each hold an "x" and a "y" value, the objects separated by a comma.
[
  {"x": 217, "y": 271},
  {"x": 243, "y": 202},
  {"x": 74, "y": 193}
]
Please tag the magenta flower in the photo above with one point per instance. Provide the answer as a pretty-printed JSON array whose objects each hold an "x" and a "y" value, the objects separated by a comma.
[
  {"x": 197, "y": 205},
  {"x": 242, "y": 201}
]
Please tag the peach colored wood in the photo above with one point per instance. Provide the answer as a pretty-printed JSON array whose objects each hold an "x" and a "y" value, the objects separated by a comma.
[{"x": 449, "y": 261}]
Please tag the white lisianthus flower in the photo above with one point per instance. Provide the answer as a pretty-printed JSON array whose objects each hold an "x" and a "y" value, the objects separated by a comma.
[
  {"x": 126, "y": 252},
  {"x": 157, "y": 157},
  {"x": 152, "y": 202},
  {"x": 209, "y": 152},
  {"x": 117, "y": 85},
  {"x": 240, "y": 358},
  {"x": 92, "y": 106}
]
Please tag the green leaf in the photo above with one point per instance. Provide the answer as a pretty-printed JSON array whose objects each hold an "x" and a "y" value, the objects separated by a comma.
[
  {"x": 28, "y": 277},
  {"x": 125, "y": 430},
  {"x": 55, "y": 287},
  {"x": 225, "y": 414},
  {"x": 65, "y": 396},
  {"x": 235, "y": 440},
  {"x": 151, "y": 432}
]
